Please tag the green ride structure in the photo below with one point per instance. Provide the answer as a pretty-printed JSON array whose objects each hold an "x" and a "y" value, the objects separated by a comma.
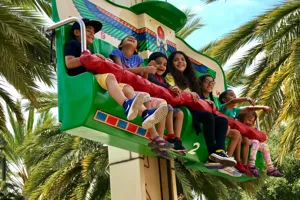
[{"x": 86, "y": 110}]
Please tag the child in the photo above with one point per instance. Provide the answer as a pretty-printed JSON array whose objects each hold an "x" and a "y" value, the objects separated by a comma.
[
  {"x": 207, "y": 83},
  {"x": 126, "y": 56},
  {"x": 182, "y": 74},
  {"x": 249, "y": 120},
  {"x": 228, "y": 100},
  {"x": 123, "y": 94},
  {"x": 174, "y": 118}
]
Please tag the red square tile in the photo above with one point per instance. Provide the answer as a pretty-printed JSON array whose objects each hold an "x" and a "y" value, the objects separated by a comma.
[
  {"x": 132, "y": 128},
  {"x": 147, "y": 134},
  {"x": 112, "y": 120}
]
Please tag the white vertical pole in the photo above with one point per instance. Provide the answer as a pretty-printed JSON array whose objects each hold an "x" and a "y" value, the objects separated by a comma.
[{"x": 137, "y": 177}]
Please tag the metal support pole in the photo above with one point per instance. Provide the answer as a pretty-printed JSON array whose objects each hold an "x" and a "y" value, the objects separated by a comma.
[{"x": 70, "y": 20}]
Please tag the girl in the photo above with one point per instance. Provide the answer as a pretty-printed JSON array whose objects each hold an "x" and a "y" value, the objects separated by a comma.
[
  {"x": 249, "y": 120},
  {"x": 174, "y": 118},
  {"x": 182, "y": 74},
  {"x": 228, "y": 101},
  {"x": 206, "y": 85},
  {"x": 126, "y": 56}
]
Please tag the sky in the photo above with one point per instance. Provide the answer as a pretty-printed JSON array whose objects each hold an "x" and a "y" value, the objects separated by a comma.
[{"x": 222, "y": 17}]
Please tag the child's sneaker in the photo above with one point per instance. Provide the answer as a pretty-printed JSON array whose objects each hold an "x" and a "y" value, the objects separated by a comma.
[
  {"x": 247, "y": 172},
  {"x": 132, "y": 106},
  {"x": 239, "y": 166},
  {"x": 153, "y": 116},
  {"x": 231, "y": 171},
  {"x": 210, "y": 164},
  {"x": 274, "y": 172},
  {"x": 178, "y": 148},
  {"x": 221, "y": 157},
  {"x": 254, "y": 171}
]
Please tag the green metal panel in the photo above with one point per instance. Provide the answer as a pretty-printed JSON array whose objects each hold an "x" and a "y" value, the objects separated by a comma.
[
  {"x": 80, "y": 97},
  {"x": 163, "y": 12}
]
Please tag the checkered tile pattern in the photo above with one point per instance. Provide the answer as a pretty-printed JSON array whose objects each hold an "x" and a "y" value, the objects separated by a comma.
[{"x": 122, "y": 124}]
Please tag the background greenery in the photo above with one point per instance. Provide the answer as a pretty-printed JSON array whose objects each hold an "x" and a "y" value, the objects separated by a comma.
[{"x": 44, "y": 163}]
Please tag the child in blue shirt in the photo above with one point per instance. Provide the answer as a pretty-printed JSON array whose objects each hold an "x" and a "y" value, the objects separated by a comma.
[
  {"x": 123, "y": 94},
  {"x": 126, "y": 56}
]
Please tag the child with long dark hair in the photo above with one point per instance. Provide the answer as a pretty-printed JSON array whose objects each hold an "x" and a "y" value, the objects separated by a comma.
[
  {"x": 174, "y": 118},
  {"x": 182, "y": 74},
  {"x": 126, "y": 55},
  {"x": 207, "y": 84}
]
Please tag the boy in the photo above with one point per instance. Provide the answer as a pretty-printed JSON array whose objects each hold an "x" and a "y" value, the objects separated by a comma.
[{"x": 122, "y": 93}]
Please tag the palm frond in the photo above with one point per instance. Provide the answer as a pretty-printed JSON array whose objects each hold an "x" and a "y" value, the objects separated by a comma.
[{"x": 193, "y": 23}]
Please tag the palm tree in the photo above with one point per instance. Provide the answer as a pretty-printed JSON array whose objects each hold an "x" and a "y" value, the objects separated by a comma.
[
  {"x": 14, "y": 135},
  {"x": 193, "y": 23},
  {"x": 23, "y": 50},
  {"x": 64, "y": 167},
  {"x": 274, "y": 63}
]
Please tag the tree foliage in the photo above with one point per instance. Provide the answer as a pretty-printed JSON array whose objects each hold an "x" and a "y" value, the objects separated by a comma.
[{"x": 269, "y": 70}]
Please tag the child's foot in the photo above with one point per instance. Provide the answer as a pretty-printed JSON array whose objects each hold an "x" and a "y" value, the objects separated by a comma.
[
  {"x": 153, "y": 116},
  {"x": 274, "y": 172},
  {"x": 247, "y": 172},
  {"x": 132, "y": 106},
  {"x": 231, "y": 171},
  {"x": 178, "y": 148},
  {"x": 210, "y": 164},
  {"x": 221, "y": 157},
  {"x": 162, "y": 153},
  {"x": 159, "y": 142},
  {"x": 239, "y": 166},
  {"x": 254, "y": 171}
]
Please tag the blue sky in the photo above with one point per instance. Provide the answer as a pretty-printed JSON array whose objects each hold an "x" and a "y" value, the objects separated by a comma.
[{"x": 222, "y": 17}]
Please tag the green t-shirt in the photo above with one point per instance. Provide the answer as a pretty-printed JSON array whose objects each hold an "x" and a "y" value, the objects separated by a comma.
[{"x": 233, "y": 113}]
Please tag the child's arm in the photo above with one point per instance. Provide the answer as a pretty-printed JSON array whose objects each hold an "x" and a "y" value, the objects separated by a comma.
[
  {"x": 116, "y": 60},
  {"x": 254, "y": 108},
  {"x": 231, "y": 103},
  {"x": 137, "y": 70},
  {"x": 152, "y": 79},
  {"x": 72, "y": 62}
]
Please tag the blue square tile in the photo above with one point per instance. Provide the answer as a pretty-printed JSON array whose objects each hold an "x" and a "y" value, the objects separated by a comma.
[
  {"x": 122, "y": 124},
  {"x": 141, "y": 131},
  {"x": 101, "y": 116}
]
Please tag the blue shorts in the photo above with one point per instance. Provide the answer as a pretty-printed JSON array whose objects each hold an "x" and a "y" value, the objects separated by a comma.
[{"x": 170, "y": 108}]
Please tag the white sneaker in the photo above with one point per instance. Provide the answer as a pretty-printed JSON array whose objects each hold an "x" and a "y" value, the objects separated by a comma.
[
  {"x": 223, "y": 158},
  {"x": 231, "y": 171}
]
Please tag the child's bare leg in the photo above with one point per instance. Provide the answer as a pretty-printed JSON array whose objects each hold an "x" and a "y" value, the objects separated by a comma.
[
  {"x": 160, "y": 127},
  {"x": 147, "y": 104},
  {"x": 234, "y": 136},
  {"x": 128, "y": 91},
  {"x": 246, "y": 143},
  {"x": 169, "y": 123},
  {"x": 178, "y": 123},
  {"x": 237, "y": 152},
  {"x": 114, "y": 90}
]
